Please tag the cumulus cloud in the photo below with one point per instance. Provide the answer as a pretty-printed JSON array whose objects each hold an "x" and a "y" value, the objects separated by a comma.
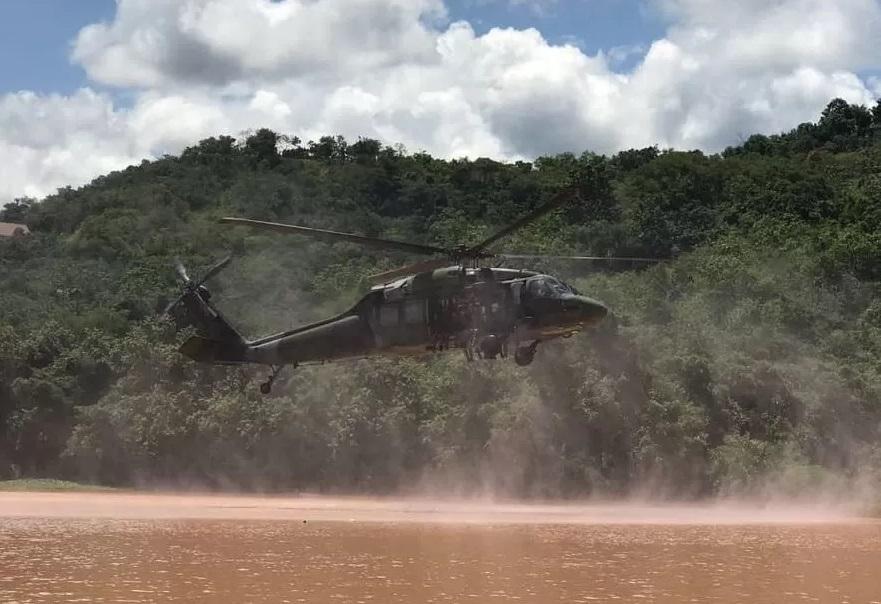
[
  {"x": 168, "y": 43},
  {"x": 398, "y": 71},
  {"x": 47, "y": 142},
  {"x": 782, "y": 33}
]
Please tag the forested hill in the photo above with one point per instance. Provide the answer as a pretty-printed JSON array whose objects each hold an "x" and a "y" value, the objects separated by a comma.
[{"x": 749, "y": 364}]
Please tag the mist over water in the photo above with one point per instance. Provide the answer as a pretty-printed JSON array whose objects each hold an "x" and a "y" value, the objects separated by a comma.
[{"x": 412, "y": 509}]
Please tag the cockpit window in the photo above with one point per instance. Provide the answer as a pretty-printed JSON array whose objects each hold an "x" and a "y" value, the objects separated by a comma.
[{"x": 547, "y": 287}]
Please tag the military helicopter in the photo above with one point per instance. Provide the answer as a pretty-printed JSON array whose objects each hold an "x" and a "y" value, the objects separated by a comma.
[{"x": 429, "y": 306}]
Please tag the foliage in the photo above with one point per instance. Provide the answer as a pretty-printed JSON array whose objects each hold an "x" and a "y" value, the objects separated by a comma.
[
  {"x": 746, "y": 364},
  {"x": 47, "y": 485}
]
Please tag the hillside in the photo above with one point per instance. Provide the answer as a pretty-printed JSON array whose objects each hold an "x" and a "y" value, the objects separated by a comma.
[{"x": 747, "y": 364}]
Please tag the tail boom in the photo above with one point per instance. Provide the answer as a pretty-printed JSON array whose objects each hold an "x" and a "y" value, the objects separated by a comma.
[{"x": 206, "y": 350}]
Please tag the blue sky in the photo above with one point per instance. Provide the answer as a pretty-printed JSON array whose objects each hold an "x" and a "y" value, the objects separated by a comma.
[
  {"x": 35, "y": 39},
  {"x": 592, "y": 24},
  {"x": 36, "y": 35}
]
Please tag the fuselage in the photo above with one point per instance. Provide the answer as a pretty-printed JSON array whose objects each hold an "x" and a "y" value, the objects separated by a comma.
[{"x": 476, "y": 309}]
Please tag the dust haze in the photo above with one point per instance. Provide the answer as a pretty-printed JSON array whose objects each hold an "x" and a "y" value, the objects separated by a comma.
[
  {"x": 596, "y": 418},
  {"x": 169, "y": 506}
]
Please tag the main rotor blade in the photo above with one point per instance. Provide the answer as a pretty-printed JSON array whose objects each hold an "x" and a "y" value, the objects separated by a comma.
[
  {"x": 555, "y": 257},
  {"x": 418, "y": 267},
  {"x": 173, "y": 303},
  {"x": 555, "y": 202},
  {"x": 404, "y": 246},
  {"x": 215, "y": 269}
]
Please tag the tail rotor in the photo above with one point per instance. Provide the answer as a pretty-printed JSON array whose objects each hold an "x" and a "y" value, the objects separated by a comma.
[
  {"x": 194, "y": 287},
  {"x": 216, "y": 341}
]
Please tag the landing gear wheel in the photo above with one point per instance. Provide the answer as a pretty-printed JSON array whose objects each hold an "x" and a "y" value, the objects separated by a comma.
[
  {"x": 524, "y": 355},
  {"x": 266, "y": 387}
]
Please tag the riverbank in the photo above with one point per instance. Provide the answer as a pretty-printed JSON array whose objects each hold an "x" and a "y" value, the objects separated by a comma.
[{"x": 49, "y": 485}]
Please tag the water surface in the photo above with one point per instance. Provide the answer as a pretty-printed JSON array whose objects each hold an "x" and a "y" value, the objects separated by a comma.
[{"x": 134, "y": 548}]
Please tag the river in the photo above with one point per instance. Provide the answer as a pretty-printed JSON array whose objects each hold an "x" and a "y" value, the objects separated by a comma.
[{"x": 163, "y": 548}]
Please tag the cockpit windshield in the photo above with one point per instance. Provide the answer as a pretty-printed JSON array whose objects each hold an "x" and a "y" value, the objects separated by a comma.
[{"x": 548, "y": 287}]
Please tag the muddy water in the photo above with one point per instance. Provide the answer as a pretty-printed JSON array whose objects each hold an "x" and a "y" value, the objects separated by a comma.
[{"x": 132, "y": 548}]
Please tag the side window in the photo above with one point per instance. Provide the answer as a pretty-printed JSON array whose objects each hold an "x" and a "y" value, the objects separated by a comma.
[
  {"x": 388, "y": 315},
  {"x": 538, "y": 288}
]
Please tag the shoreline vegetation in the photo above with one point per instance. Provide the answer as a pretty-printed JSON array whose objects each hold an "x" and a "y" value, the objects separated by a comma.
[
  {"x": 746, "y": 364},
  {"x": 51, "y": 485}
]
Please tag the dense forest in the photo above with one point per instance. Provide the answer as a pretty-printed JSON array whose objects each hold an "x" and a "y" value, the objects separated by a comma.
[{"x": 747, "y": 363}]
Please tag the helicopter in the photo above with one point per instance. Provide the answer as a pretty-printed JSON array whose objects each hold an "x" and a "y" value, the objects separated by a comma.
[{"x": 446, "y": 302}]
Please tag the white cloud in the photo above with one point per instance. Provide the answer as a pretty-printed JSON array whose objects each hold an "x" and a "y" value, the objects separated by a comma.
[
  {"x": 51, "y": 141},
  {"x": 770, "y": 34},
  {"x": 171, "y": 43},
  {"x": 393, "y": 69}
]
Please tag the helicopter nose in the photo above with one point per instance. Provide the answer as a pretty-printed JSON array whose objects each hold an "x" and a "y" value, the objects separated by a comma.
[{"x": 589, "y": 310}]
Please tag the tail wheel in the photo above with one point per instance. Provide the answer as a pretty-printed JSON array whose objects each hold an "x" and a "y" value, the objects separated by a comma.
[{"x": 266, "y": 387}]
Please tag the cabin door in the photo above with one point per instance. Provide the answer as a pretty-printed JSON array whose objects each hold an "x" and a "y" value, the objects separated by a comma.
[{"x": 404, "y": 323}]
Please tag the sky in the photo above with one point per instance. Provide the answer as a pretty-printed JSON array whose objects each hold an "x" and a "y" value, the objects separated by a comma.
[{"x": 92, "y": 86}]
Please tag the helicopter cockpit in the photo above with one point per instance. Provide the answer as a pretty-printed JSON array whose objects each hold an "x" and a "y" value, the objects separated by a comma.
[
  {"x": 545, "y": 286},
  {"x": 557, "y": 303}
]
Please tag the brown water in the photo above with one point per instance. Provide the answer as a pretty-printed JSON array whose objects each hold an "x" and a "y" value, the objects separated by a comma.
[{"x": 136, "y": 548}]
